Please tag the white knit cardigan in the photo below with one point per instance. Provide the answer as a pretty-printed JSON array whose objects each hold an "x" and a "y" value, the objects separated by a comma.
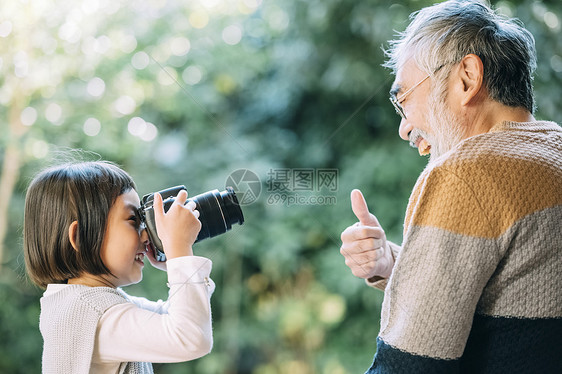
[{"x": 68, "y": 324}]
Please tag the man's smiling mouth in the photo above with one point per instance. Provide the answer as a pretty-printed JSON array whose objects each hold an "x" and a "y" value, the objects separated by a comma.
[{"x": 421, "y": 144}]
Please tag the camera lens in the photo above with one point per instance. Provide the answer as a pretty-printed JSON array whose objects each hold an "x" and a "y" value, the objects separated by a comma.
[{"x": 218, "y": 211}]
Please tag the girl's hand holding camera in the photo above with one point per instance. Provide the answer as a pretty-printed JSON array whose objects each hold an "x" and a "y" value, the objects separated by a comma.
[{"x": 177, "y": 228}]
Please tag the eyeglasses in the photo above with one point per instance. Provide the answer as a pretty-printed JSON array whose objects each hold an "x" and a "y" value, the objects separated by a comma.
[{"x": 396, "y": 101}]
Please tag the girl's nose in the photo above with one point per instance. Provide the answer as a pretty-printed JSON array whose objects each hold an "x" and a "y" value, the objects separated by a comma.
[{"x": 405, "y": 129}]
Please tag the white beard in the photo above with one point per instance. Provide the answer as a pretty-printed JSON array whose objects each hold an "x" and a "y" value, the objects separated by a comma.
[{"x": 448, "y": 130}]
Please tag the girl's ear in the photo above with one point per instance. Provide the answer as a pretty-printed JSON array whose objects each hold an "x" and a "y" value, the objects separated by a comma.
[{"x": 72, "y": 232}]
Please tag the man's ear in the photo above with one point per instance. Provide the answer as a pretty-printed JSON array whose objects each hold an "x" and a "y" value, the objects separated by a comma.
[
  {"x": 471, "y": 74},
  {"x": 73, "y": 235}
]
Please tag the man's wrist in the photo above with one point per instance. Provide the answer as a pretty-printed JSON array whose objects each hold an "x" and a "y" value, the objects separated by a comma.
[{"x": 387, "y": 262}]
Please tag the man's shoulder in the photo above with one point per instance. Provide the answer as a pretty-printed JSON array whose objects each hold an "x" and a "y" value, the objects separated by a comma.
[
  {"x": 508, "y": 145},
  {"x": 509, "y": 174},
  {"x": 512, "y": 159}
]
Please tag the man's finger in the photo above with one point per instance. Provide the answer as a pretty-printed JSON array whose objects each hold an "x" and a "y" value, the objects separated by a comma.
[{"x": 361, "y": 210}]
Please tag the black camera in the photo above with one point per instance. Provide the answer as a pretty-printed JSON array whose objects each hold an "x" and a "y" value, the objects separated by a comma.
[{"x": 218, "y": 211}]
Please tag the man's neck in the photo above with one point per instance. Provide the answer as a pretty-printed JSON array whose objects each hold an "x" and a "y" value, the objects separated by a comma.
[{"x": 487, "y": 116}]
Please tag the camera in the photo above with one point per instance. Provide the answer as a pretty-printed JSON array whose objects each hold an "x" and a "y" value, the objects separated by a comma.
[{"x": 218, "y": 211}]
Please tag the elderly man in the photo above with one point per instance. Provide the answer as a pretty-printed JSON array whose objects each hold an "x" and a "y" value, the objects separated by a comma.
[{"x": 476, "y": 286}]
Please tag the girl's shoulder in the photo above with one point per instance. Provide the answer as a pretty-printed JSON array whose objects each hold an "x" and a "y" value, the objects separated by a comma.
[{"x": 74, "y": 296}]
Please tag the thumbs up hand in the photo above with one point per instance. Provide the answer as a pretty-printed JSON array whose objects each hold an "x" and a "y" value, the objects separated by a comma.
[
  {"x": 364, "y": 244},
  {"x": 361, "y": 211}
]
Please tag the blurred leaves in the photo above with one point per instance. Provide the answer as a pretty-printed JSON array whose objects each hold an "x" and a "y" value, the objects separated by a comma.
[{"x": 188, "y": 92}]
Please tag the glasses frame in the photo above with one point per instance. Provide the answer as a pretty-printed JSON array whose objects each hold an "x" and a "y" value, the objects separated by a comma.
[{"x": 396, "y": 101}]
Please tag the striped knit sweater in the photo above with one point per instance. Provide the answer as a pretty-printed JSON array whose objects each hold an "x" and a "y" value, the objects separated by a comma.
[{"x": 477, "y": 285}]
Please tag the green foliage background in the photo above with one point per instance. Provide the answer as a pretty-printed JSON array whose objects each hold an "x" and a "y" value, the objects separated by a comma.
[{"x": 299, "y": 86}]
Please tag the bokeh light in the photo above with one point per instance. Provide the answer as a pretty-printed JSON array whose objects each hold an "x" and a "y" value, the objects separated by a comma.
[
  {"x": 551, "y": 20},
  {"x": 53, "y": 113},
  {"x": 5, "y": 28},
  {"x": 96, "y": 87},
  {"x": 150, "y": 132},
  {"x": 125, "y": 105},
  {"x": 232, "y": 34},
  {"x": 127, "y": 43},
  {"x": 278, "y": 18},
  {"x": 136, "y": 126},
  {"x": 140, "y": 60},
  {"x": 556, "y": 63},
  {"x": 90, "y": 6},
  {"x": 199, "y": 19},
  {"x": 180, "y": 46},
  {"x": 332, "y": 309},
  {"x": 92, "y": 126},
  {"x": 28, "y": 116},
  {"x": 36, "y": 148},
  {"x": 167, "y": 76},
  {"x": 192, "y": 75},
  {"x": 142, "y": 129},
  {"x": 21, "y": 64},
  {"x": 70, "y": 32},
  {"x": 248, "y": 6},
  {"x": 102, "y": 44}
]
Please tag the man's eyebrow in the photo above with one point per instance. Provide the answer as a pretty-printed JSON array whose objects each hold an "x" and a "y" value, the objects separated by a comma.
[{"x": 395, "y": 89}]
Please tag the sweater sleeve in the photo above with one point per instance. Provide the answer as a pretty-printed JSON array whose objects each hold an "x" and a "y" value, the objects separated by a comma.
[
  {"x": 380, "y": 282},
  {"x": 445, "y": 262},
  {"x": 175, "y": 331}
]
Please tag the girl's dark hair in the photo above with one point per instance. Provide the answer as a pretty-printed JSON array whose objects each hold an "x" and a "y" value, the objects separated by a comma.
[{"x": 57, "y": 196}]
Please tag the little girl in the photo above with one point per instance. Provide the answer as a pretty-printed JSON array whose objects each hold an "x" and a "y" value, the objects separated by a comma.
[{"x": 82, "y": 241}]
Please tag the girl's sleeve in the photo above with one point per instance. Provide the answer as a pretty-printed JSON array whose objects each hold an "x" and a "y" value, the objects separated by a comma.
[{"x": 175, "y": 331}]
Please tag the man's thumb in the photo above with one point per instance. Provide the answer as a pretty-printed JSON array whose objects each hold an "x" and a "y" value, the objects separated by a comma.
[{"x": 360, "y": 209}]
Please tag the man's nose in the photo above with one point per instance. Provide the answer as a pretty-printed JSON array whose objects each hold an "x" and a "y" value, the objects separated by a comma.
[{"x": 405, "y": 129}]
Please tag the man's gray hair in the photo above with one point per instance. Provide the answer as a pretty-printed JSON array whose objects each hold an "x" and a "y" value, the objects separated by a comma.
[{"x": 444, "y": 33}]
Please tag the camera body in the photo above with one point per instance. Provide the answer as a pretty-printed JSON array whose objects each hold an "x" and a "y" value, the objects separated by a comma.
[{"x": 218, "y": 211}]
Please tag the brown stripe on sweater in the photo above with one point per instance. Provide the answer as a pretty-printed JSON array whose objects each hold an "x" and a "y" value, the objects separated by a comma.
[{"x": 499, "y": 172}]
